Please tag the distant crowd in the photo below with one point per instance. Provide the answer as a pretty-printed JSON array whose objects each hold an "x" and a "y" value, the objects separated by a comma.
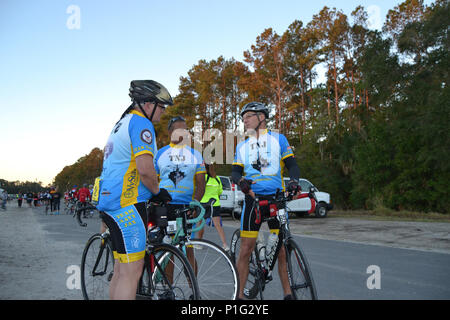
[{"x": 51, "y": 198}]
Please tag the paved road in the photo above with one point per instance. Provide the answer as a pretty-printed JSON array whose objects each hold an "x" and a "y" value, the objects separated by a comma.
[{"x": 37, "y": 251}]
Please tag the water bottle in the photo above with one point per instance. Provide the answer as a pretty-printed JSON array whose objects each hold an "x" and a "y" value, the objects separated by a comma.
[
  {"x": 271, "y": 247},
  {"x": 260, "y": 247},
  {"x": 167, "y": 239}
]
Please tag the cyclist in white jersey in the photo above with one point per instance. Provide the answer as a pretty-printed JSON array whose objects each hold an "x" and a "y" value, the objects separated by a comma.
[{"x": 258, "y": 169}]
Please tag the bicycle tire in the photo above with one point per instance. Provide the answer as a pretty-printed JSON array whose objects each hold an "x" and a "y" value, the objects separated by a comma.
[
  {"x": 254, "y": 284},
  {"x": 97, "y": 267},
  {"x": 181, "y": 284},
  {"x": 214, "y": 270},
  {"x": 300, "y": 276}
]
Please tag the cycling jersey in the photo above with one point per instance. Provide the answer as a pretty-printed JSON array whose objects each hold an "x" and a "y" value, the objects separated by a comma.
[
  {"x": 120, "y": 184},
  {"x": 177, "y": 166},
  {"x": 95, "y": 191},
  {"x": 84, "y": 195},
  {"x": 213, "y": 190},
  {"x": 262, "y": 160}
]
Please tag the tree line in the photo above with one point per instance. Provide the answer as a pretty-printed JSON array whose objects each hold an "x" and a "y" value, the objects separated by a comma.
[
  {"x": 374, "y": 132},
  {"x": 21, "y": 187}
]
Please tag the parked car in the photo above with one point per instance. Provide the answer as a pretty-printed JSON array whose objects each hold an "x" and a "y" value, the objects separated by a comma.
[
  {"x": 227, "y": 196},
  {"x": 301, "y": 206},
  {"x": 238, "y": 200}
]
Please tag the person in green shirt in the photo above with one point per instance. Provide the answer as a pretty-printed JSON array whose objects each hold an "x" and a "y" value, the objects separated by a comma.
[{"x": 213, "y": 189}]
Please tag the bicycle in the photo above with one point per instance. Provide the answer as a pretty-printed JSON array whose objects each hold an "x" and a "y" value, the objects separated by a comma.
[
  {"x": 261, "y": 267},
  {"x": 216, "y": 273},
  {"x": 171, "y": 274},
  {"x": 70, "y": 207}
]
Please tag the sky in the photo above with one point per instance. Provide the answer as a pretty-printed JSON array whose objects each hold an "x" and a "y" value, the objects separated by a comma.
[{"x": 66, "y": 66}]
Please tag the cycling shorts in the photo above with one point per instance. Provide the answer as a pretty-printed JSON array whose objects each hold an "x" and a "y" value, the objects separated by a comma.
[
  {"x": 249, "y": 224},
  {"x": 215, "y": 212},
  {"x": 128, "y": 229}
]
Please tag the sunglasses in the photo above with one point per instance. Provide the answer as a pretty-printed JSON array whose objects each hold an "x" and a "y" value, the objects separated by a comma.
[{"x": 175, "y": 119}]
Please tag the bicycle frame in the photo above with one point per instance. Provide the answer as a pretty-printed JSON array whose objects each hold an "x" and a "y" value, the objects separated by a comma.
[
  {"x": 182, "y": 231},
  {"x": 105, "y": 237},
  {"x": 182, "y": 222},
  {"x": 284, "y": 234}
]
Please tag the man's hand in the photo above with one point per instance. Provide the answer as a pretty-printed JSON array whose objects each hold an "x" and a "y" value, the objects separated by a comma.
[
  {"x": 162, "y": 197},
  {"x": 245, "y": 185},
  {"x": 294, "y": 187}
]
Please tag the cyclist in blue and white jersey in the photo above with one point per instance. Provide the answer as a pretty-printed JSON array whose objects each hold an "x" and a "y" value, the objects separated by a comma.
[
  {"x": 180, "y": 168},
  {"x": 258, "y": 169},
  {"x": 129, "y": 180}
]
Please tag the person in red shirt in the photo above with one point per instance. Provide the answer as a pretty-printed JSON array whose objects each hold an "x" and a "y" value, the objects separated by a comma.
[{"x": 84, "y": 196}]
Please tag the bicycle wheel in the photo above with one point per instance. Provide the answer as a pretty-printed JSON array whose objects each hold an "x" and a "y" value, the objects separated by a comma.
[
  {"x": 97, "y": 266},
  {"x": 167, "y": 276},
  {"x": 216, "y": 273},
  {"x": 254, "y": 284},
  {"x": 300, "y": 277}
]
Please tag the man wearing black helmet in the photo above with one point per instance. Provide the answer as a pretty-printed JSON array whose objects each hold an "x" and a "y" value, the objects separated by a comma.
[
  {"x": 258, "y": 170},
  {"x": 129, "y": 180}
]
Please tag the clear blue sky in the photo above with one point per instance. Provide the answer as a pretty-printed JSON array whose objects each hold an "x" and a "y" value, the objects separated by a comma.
[{"x": 63, "y": 89}]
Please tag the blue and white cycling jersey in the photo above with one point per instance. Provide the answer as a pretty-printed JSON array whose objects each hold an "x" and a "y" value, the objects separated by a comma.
[
  {"x": 262, "y": 160},
  {"x": 120, "y": 184},
  {"x": 177, "y": 166}
]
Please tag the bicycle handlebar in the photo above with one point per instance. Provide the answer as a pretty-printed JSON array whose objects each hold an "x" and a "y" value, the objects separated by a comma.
[{"x": 192, "y": 205}]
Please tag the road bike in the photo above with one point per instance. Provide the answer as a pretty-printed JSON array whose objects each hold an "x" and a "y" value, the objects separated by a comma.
[
  {"x": 216, "y": 273},
  {"x": 261, "y": 266},
  {"x": 167, "y": 274},
  {"x": 70, "y": 206}
]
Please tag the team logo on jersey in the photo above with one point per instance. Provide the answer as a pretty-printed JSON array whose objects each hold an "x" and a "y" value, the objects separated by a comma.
[
  {"x": 146, "y": 136},
  {"x": 108, "y": 149},
  {"x": 176, "y": 176}
]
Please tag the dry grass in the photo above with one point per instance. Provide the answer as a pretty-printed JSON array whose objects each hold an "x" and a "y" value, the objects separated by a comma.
[{"x": 381, "y": 213}]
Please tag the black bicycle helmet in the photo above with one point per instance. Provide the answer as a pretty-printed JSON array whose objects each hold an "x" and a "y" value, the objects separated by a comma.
[
  {"x": 149, "y": 91},
  {"x": 256, "y": 107}
]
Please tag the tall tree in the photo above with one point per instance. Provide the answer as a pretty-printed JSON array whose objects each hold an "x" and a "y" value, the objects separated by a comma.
[
  {"x": 331, "y": 26},
  {"x": 267, "y": 58}
]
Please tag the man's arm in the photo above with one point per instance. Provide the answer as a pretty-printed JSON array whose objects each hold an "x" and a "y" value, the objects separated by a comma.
[
  {"x": 147, "y": 172},
  {"x": 294, "y": 173},
  {"x": 199, "y": 186},
  {"x": 236, "y": 173},
  {"x": 245, "y": 185},
  {"x": 292, "y": 166}
]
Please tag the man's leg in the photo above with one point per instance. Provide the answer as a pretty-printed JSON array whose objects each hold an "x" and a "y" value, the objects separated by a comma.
[
  {"x": 242, "y": 265},
  {"x": 125, "y": 286},
  {"x": 219, "y": 228},
  {"x": 282, "y": 270}
]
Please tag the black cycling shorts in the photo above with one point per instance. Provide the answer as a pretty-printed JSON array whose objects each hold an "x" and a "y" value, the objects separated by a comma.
[
  {"x": 249, "y": 218},
  {"x": 215, "y": 211}
]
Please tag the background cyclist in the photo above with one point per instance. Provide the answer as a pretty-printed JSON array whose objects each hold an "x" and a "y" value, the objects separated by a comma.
[
  {"x": 84, "y": 197},
  {"x": 213, "y": 190},
  {"x": 258, "y": 169}
]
